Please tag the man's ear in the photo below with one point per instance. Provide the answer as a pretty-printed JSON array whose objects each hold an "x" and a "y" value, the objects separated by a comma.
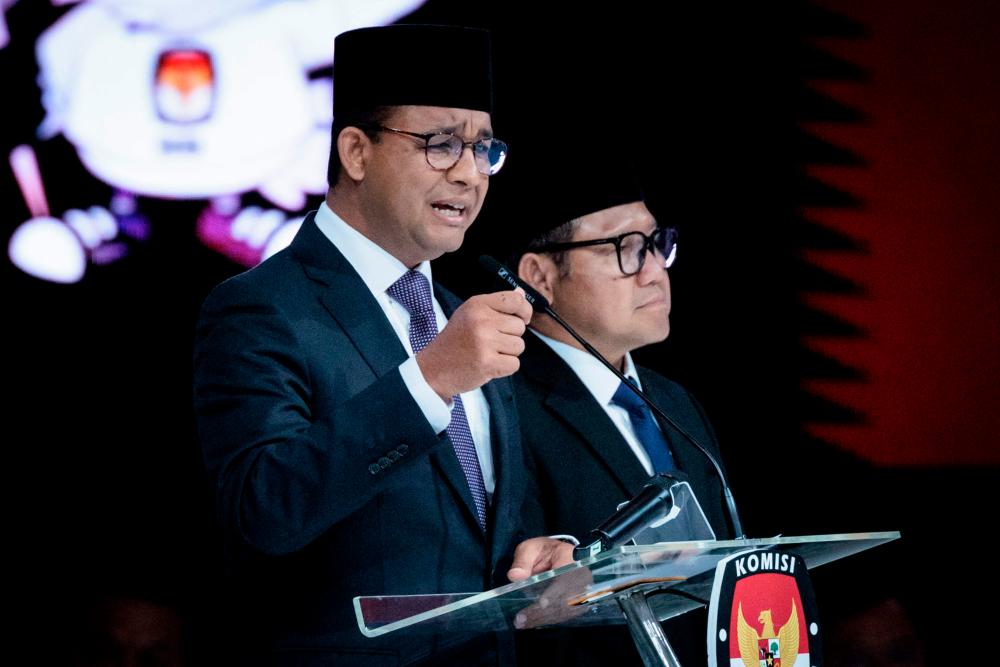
[
  {"x": 541, "y": 272},
  {"x": 354, "y": 148}
]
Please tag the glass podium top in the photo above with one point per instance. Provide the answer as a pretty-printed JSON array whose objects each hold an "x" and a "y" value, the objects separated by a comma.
[{"x": 675, "y": 576}]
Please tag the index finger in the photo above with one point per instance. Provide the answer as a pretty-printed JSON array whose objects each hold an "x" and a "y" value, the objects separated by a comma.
[{"x": 513, "y": 302}]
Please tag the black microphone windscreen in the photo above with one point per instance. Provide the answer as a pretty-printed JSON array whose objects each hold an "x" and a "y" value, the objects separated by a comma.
[{"x": 501, "y": 272}]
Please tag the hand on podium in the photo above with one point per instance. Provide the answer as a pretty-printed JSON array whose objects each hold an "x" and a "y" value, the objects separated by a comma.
[
  {"x": 557, "y": 603},
  {"x": 538, "y": 555}
]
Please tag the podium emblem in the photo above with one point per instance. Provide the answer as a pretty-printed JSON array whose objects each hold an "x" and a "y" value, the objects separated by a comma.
[{"x": 763, "y": 613}]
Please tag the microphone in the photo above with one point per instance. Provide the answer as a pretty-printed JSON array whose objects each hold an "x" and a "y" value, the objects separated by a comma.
[
  {"x": 541, "y": 305},
  {"x": 538, "y": 302},
  {"x": 651, "y": 504}
]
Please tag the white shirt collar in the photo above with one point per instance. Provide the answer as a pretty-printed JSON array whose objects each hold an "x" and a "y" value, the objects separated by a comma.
[
  {"x": 377, "y": 268},
  {"x": 598, "y": 380}
]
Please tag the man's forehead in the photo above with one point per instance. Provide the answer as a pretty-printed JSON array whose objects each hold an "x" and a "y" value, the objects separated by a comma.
[
  {"x": 634, "y": 216},
  {"x": 444, "y": 118}
]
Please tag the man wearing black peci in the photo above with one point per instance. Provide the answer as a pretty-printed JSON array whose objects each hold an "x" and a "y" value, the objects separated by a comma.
[
  {"x": 355, "y": 418},
  {"x": 595, "y": 251}
]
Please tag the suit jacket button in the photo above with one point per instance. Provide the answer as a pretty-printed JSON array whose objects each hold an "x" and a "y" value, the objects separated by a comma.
[
  {"x": 393, "y": 455},
  {"x": 402, "y": 449},
  {"x": 384, "y": 463},
  {"x": 374, "y": 469}
]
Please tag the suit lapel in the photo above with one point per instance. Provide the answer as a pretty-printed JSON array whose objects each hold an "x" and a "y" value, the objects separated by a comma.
[
  {"x": 570, "y": 402},
  {"x": 508, "y": 464},
  {"x": 347, "y": 299},
  {"x": 446, "y": 461}
]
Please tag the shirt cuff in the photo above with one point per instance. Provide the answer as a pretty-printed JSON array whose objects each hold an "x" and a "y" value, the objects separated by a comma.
[{"x": 436, "y": 411}]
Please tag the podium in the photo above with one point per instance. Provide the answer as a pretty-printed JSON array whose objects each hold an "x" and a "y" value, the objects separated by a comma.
[{"x": 634, "y": 585}]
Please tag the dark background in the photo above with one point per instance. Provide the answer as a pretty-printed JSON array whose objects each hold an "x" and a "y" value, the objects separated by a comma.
[{"x": 833, "y": 172}]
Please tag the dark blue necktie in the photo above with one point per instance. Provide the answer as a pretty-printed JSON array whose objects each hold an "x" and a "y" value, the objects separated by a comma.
[
  {"x": 413, "y": 291},
  {"x": 645, "y": 427}
]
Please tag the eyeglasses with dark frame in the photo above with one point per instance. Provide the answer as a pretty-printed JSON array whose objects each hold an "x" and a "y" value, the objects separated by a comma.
[
  {"x": 630, "y": 247},
  {"x": 443, "y": 150}
]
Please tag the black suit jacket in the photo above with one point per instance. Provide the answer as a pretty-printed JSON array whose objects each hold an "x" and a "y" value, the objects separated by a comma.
[
  {"x": 584, "y": 469},
  {"x": 583, "y": 465},
  {"x": 330, "y": 483}
]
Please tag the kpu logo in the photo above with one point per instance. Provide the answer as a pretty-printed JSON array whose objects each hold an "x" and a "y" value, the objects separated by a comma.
[{"x": 763, "y": 613}]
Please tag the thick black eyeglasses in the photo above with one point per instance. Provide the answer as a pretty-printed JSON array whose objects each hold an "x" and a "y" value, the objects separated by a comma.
[
  {"x": 631, "y": 248},
  {"x": 444, "y": 150}
]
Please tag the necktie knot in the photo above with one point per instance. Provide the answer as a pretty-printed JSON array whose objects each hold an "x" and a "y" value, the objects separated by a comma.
[
  {"x": 626, "y": 398},
  {"x": 413, "y": 291}
]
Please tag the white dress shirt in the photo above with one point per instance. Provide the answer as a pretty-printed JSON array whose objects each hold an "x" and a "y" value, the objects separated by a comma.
[
  {"x": 603, "y": 384},
  {"x": 379, "y": 270}
]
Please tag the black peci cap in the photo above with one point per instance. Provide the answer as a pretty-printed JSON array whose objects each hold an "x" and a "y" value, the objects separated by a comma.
[{"x": 429, "y": 65}]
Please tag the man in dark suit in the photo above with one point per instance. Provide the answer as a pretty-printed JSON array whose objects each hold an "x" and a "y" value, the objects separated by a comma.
[
  {"x": 356, "y": 421},
  {"x": 599, "y": 256}
]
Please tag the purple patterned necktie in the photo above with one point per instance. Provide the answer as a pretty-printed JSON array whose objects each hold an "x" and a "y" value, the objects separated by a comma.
[{"x": 414, "y": 292}]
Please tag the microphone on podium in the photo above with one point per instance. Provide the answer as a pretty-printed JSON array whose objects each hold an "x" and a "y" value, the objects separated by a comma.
[{"x": 651, "y": 504}]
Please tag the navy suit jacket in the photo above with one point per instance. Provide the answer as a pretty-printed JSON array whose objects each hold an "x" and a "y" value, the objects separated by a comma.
[
  {"x": 329, "y": 481},
  {"x": 583, "y": 465}
]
